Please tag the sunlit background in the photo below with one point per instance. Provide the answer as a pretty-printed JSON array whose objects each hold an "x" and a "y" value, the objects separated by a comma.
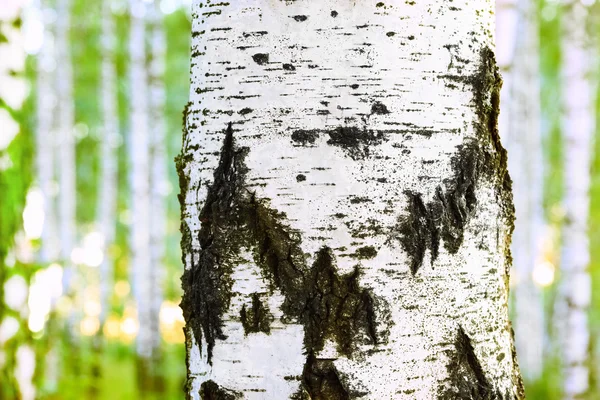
[{"x": 50, "y": 338}]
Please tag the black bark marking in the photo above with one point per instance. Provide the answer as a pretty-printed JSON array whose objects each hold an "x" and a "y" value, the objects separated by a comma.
[
  {"x": 334, "y": 13},
  {"x": 355, "y": 141},
  {"x": 320, "y": 381},
  {"x": 466, "y": 377},
  {"x": 206, "y": 294},
  {"x": 289, "y": 67},
  {"x": 418, "y": 232},
  {"x": 300, "y": 18},
  {"x": 329, "y": 305},
  {"x": 445, "y": 217},
  {"x": 300, "y": 178},
  {"x": 209, "y": 390},
  {"x": 245, "y": 111},
  {"x": 390, "y": 34},
  {"x": 364, "y": 253},
  {"x": 258, "y": 318},
  {"x": 261, "y": 58},
  {"x": 379, "y": 108},
  {"x": 305, "y": 137}
]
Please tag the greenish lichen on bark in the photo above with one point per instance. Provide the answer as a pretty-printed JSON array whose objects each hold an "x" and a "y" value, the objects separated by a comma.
[
  {"x": 446, "y": 215},
  {"x": 329, "y": 305}
]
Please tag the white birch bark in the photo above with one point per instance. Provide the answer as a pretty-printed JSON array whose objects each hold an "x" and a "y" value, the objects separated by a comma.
[
  {"x": 158, "y": 182},
  {"x": 346, "y": 211},
  {"x": 109, "y": 162},
  {"x": 140, "y": 178},
  {"x": 521, "y": 131},
  {"x": 578, "y": 129},
  {"x": 66, "y": 141},
  {"x": 45, "y": 134}
]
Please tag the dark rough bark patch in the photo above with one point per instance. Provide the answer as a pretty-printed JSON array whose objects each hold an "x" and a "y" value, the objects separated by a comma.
[
  {"x": 445, "y": 217},
  {"x": 289, "y": 67},
  {"x": 466, "y": 378},
  {"x": 261, "y": 58},
  {"x": 300, "y": 178},
  {"x": 329, "y": 305},
  {"x": 305, "y": 137},
  {"x": 320, "y": 381},
  {"x": 365, "y": 252},
  {"x": 354, "y": 141},
  {"x": 257, "y": 318},
  {"x": 379, "y": 108},
  {"x": 245, "y": 111},
  {"x": 334, "y": 13},
  {"x": 206, "y": 289},
  {"x": 209, "y": 390}
]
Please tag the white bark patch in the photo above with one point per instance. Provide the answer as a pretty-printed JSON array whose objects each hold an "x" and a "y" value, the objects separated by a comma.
[{"x": 314, "y": 120}]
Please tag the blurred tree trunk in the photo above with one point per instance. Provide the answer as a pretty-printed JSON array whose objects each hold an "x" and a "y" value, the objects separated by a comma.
[
  {"x": 17, "y": 360},
  {"x": 346, "y": 208},
  {"x": 140, "y": 179},
  {"x": 46, "y": 129},
  {"x": 578, "y": 129},
  {"x": 158, "y": 182},
  {"x": 107, "y": 212},
  {"x": 521, "y": 132},
  {"x": 66, "y": 141},
  {"x": 66, "y": 180}
]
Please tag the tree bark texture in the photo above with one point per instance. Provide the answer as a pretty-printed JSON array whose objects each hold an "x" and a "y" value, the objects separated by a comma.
[{"x": 346, "y": 206}]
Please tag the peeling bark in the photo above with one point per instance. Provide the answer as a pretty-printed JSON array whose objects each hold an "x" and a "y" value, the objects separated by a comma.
[{"x": 325, "y": 161}]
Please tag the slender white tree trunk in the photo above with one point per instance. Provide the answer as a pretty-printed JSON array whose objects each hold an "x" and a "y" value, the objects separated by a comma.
[
  {"x": 346, "y": 209},
  {"x": 158, "y": 180},
  {"x": 578, "y": 129},
  {"x": 140, "y": 177},
  {"x": 66, "y": 141},
  {"x": 45, "y": 134},
  {"x": 520, "y": 130},
  {"x": 109, "y": 163}
]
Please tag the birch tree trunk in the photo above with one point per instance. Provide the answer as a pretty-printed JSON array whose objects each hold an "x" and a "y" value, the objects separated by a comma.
[
  {"x": 520, "y": 129},
  {"x": 109, "y": 163},
  {"x": 66, "y": 141},
  {"x": 140, "y": 177},
  {"x": 578, "y": 129},
  {"x": 45, "y": 135},
  {"x": 158, "y": 180},
  {"x": 107, "y": 212},
  {"x": 346, "y": 209}
]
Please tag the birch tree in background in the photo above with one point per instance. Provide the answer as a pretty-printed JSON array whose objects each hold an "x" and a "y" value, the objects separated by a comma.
[
  {"x": 346, "y": 206},
  {"x": 17, "y": 358},
  {"x": 520, "y": 130},
  {"x": 109, "y": 161},
  {"x": 45, "y": 133},
  {"x": 107, "y": 212},
  {"x": 578, "y": 129},
  {"x": 140, "y": 179},
  {"x": 158, "y": 181},
  {"x": 66, "y": 141}
]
